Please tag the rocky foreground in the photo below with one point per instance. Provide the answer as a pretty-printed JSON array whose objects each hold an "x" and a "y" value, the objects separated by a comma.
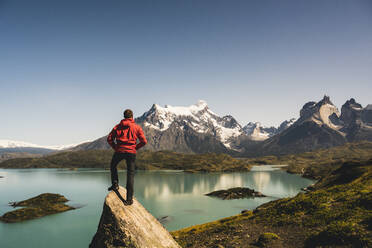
[
  {"x": 235, "y": 193},
  {"x": 129, "y": 226},
  {"x": 336, "y": 213},
  {"x": 36, "y": 207}
]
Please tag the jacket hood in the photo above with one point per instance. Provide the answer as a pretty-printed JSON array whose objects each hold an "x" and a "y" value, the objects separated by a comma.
[{"x": 126, "y": 122}]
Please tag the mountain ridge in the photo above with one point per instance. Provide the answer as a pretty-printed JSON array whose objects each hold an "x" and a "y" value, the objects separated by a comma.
[
  {"x": 197, "y": 129},
  {"x": 320, "y": 125}
]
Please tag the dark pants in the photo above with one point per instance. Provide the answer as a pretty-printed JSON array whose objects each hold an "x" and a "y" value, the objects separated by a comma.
[{"x": 130, "y": 158}]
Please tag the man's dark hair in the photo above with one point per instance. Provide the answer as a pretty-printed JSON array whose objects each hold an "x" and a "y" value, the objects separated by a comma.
[{"x": 128, "y": 114}]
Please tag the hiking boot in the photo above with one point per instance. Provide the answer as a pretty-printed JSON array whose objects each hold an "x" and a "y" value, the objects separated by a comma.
[
  {"x": 114, "y": 187},
  {"x": 128, "y": 202}
]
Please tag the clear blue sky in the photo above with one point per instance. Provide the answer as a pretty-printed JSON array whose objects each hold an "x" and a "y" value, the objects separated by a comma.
[{"x": 69, "y": 68}]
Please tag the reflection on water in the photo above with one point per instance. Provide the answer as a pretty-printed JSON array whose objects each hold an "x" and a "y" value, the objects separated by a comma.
[
  {"x": 177, "y": 195},
  {"x": 162, "y": 185},
  {"x": 261, "y": 179}
]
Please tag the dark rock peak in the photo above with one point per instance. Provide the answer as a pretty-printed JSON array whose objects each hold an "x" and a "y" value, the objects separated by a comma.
[
  {"x": 285, "y": 124},
  {"x": 326, "y": 100},
  {"x": 230, "y": 122},
  {"x": 368, "y": 107},
  {"x": 351, "y": 104},
  {"x": 308, "y": 105},
  {"x": 270, "y": 129},
  {"x": 351, "y": 113},
  {"x": 367, "y": 115}
]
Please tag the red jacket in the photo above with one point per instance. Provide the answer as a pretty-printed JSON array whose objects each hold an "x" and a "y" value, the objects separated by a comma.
[{"x": 123, "y": 137}]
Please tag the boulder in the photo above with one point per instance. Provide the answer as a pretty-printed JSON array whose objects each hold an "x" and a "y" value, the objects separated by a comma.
[{"x": 129, "y": 226}]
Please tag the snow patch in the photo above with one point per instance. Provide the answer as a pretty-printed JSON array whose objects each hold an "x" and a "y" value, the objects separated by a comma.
[{"x": 18, "y": 144}]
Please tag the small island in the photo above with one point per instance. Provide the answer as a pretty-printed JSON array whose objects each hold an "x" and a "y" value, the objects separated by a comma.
[
  {"x": 36, "y": 207},
  {"x": 236, "y": 193}
]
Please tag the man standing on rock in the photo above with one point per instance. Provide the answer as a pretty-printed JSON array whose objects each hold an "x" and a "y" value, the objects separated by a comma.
[{"x": 123, "y": 139}]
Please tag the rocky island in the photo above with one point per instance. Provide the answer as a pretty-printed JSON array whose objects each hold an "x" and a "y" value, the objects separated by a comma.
[
  {"x": 36, "y": 207},
  {"x": 235, "y": 193}
]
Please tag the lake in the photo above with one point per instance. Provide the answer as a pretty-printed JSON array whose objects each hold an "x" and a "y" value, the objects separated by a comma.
[{"x": 175, "y": 194}]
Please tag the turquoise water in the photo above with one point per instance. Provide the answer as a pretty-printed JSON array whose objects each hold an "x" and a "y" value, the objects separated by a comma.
[{"x": 175, "y": 194}]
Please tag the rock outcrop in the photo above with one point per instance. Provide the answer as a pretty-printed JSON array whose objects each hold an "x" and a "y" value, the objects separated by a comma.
[{"x": 129, "y": 226}]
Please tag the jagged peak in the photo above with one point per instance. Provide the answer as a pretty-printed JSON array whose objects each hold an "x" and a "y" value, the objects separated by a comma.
[
  {"x": 326, "y": 100},
  {"x": 230, "y": 122},
  {"x": 368, "y": 107},
  {"x": 250, "y": 124},
  {"x": 352, "y": 104},
  {"x": 309, "y": 105}
]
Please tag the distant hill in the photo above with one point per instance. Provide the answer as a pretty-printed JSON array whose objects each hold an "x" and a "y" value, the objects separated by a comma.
[
  {"x": 146, "y": 160},
  {"x": 20, "y": 149},
  {"x": 10, "y": 155},
  {"x": 310, "y": 164}
]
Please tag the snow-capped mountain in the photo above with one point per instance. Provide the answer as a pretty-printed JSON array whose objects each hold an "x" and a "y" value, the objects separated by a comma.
[
  {"x": 255, "y": 130},
  {"x": 197, "y": 117},
  {"x": 9, "y": 144},
  {"x": 194, "y": 128}
]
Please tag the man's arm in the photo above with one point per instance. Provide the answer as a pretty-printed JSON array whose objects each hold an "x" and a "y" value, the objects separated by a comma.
[
  {"x": 141, "y": 137},
  {"x": 111, "y": 138}
]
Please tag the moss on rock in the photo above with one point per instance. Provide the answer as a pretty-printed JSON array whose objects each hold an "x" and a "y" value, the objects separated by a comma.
[{"x": 266, "y": 238}]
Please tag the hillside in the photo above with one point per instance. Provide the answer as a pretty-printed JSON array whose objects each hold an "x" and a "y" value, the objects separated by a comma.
[
  {"x": 309, "y": 164},
  {"x": 146, "y": 160},
  {"x": 337, "y": 214},
  {"x": 321, "y": 162},
  {"x": 10, "y": 155}
]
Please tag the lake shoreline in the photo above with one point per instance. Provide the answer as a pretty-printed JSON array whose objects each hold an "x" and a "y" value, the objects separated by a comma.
[{"x": 160, "y": 191}]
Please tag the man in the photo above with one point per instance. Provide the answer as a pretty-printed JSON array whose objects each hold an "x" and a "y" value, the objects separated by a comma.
[{"x": 123, "y": 139}]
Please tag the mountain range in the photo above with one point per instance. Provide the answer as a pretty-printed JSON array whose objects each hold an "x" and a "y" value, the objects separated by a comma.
[{"x": 197, "y": 129}]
